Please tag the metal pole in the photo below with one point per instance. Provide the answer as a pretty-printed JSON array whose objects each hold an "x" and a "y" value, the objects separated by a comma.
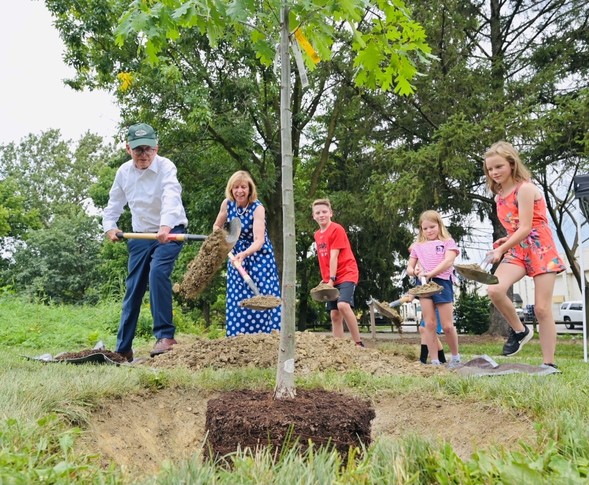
[{"x": 583, "y": 286}]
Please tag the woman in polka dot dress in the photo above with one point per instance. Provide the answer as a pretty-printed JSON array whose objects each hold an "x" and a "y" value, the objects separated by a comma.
[{"x": 256, "y": 254}]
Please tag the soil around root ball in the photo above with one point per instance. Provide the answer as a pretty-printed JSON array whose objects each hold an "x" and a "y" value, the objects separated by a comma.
[
  {"x": 202, "y": 269},
  {"x": 254, "y": 420}
]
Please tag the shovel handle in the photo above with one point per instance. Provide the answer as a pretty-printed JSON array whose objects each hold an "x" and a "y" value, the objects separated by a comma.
[
  {"x": 243, "y": 273},
  {"x": 151, "y": 235},
  {"x": 488, "y": 261},
  {"x": 400, "y": 301}
]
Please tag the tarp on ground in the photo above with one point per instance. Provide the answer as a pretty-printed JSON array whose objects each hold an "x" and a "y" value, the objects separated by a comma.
[{"x": 485, "y": 366}]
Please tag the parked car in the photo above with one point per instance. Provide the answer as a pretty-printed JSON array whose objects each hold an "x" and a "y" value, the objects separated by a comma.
[
  {"x": 521, "y": 314},
  {"x": 571, "y": 312}
]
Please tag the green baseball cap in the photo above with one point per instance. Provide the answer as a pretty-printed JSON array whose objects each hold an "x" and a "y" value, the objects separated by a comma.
[{"x": 141, "y": 134}]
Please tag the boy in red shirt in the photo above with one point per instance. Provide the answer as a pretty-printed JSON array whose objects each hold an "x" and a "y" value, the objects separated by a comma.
[{"x": 338, "y": 268}]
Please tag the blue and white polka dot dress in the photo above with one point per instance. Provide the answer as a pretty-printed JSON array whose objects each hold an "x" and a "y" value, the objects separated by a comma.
[{"x": 261, "y": 266}]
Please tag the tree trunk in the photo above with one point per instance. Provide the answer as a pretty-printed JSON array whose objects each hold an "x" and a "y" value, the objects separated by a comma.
[{"x": 285, "y": 387}]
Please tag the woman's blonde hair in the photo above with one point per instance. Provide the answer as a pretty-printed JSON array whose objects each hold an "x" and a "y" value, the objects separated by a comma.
[
  {"x": 506, "y": 150},
  {"x": 238, "y": 177},
  {"x": 432, "y": 216}
]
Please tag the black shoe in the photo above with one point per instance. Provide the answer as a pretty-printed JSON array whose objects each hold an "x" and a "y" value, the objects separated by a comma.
[
  {"x": 554, "y": 366},
  {"x": 515, "y": 341}
]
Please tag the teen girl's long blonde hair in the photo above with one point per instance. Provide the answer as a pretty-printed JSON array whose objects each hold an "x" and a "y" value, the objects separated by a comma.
[
  {"x": 506, "y": 150},
  {"x": 432, "y": 216}
]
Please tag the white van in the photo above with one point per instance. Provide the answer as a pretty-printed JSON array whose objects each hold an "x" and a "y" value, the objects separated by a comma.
[{"x": 571, "y": 312}]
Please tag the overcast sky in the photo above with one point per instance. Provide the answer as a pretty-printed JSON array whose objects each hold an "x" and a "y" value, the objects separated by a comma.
[{"x": 33, "y": 97}]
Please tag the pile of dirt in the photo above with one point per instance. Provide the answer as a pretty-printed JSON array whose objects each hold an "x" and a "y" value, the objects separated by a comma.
[
  {"x": 141, "y": 432},
  {"x": 314, "y": 353}
]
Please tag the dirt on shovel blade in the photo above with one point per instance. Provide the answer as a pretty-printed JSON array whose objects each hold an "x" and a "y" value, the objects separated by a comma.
[
  {"x": 324, "y": 292},
  {"x": 428, "y": 289},
  {"x": 261, "y": 302},
  {"x": 388, "y": 311},
  {"x": 202, "y": 269}
]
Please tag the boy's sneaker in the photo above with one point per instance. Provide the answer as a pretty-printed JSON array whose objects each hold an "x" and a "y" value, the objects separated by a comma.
[
  {"x": 554, "y": 366},
  {"x": 454, "y": 363},
  {"x": 360, "y": 344},
  {"x": 515, "y": 341}
]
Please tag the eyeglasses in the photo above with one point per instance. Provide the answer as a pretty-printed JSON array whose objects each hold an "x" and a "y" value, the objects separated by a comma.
[{"x": 141, "y": 150}]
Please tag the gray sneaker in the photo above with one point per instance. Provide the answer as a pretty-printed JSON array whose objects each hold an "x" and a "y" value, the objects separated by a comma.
[
  {"x": 454, "y": 363},
  {"x": 515, "y": 341}
]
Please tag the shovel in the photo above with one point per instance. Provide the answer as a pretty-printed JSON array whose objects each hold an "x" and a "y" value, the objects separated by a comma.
[
  {"x": 419, "y": 290},
  {"x": 231, "y": 239},
  {"x": 259, "y": 301},
  {"x": 246, "y": 277},
  {"x": 477, "y": 272}
]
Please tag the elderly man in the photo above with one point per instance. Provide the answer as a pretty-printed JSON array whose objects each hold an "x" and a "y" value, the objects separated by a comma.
[{"x": 148, "y": 185}]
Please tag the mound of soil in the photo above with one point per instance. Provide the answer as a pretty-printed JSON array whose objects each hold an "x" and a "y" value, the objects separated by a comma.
[
  {"x": 251, "y": 419},
  {"x": 314, "y": 353}
]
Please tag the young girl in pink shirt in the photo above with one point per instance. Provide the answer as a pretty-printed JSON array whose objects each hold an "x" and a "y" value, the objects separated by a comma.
[{"x": 432, "y": 257}]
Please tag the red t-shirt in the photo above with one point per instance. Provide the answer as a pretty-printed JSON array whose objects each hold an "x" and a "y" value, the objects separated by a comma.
[{"x": 335, "y": 237}]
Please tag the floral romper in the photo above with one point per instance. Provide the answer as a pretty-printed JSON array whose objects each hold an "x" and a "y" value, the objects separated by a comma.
[{"x": 537, "y": 253}]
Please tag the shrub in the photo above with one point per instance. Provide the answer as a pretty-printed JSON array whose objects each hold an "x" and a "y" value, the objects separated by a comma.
[{"x": 473, "y": 313}]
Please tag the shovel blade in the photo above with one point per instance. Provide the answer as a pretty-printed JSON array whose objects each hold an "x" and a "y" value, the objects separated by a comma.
[
  {"x": 480, "y": 276},
  {"x": 233, "y": 232}
]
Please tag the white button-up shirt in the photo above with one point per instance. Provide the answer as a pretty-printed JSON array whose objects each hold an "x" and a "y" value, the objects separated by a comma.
[{"x": 153, "y": 196}]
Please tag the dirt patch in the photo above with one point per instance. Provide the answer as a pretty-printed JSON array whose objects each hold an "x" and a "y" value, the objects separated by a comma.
[
  {"x": 141, "y": 432},
  {"x": 253, "y": 419}
]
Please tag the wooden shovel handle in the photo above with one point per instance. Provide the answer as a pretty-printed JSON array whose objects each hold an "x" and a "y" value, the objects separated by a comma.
[
  {"x": 151, "y": 235},
  {"x": 247, "y": 278}
]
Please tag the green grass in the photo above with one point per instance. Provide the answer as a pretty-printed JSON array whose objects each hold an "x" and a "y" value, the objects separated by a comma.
[{"x": 45, "y": 407}]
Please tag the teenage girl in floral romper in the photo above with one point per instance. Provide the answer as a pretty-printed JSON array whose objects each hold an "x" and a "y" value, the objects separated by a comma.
[{"x": 528, "y": 249}]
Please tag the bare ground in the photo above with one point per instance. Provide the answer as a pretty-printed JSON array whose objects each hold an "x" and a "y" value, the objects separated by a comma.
[{"x": 141, "y": 432}]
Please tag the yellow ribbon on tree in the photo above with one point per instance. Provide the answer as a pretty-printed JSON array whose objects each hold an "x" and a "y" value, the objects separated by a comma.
[{"x": 306, "y": 46}]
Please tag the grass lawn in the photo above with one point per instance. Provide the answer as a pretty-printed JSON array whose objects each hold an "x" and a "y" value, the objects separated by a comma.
[{"x": 45, "y": 410}]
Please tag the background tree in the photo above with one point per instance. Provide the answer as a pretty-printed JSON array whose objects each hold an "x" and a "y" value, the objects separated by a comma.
[
  {"x": 59, "y": 264},
  {"x": 53, "y": 176}
]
